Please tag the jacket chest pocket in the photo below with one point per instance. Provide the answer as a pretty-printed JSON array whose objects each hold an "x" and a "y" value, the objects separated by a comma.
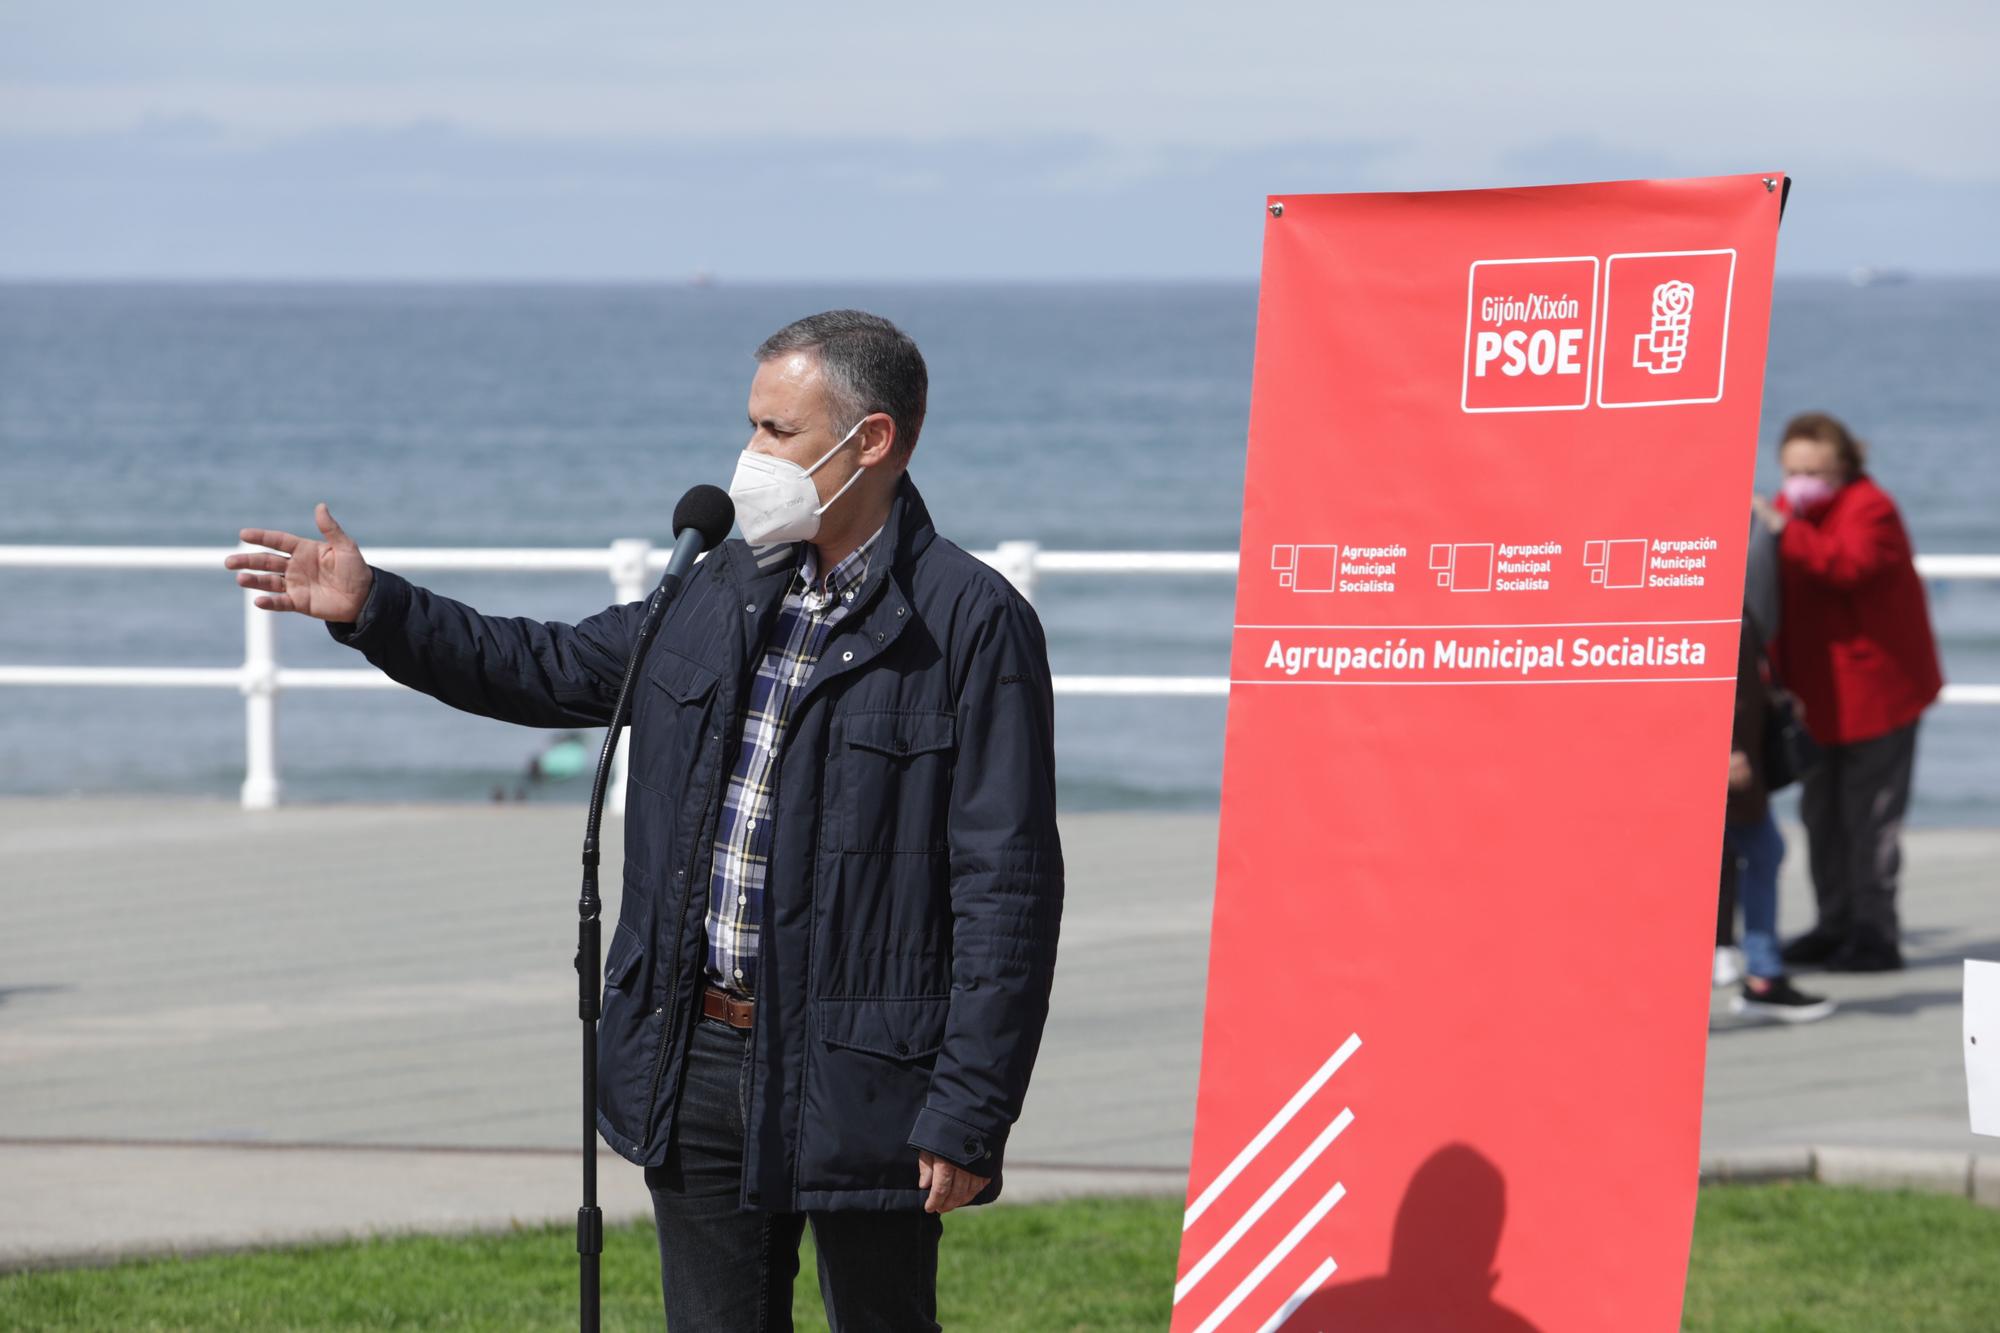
[
  {"x": 668, "y": 739},
  {"x": 892, "y": 781}
]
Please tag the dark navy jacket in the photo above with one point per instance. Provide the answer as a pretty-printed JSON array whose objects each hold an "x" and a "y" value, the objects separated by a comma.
[{"x": 915, "y": 886}]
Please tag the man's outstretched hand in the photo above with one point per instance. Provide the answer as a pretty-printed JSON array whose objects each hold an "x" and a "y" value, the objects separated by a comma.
[{"x": 327, "y": 580}]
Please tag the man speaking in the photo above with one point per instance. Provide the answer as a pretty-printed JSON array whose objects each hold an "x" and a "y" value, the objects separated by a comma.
[{"x": 843, "y": 880}]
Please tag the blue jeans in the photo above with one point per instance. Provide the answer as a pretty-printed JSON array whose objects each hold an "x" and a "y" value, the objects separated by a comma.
[
  {"x": 1759, "y": 849},
  {"x": 726, "y": 1271}
]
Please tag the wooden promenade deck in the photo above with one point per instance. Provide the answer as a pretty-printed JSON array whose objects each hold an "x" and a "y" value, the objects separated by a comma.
[{"x": 220, "y": 1028}]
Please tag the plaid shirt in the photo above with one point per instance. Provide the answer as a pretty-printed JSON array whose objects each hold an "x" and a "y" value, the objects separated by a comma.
[{"x": 743, "y": 832}]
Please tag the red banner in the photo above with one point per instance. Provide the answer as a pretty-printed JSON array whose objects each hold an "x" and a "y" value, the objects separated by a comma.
[{"x": 1501, "y": 446}]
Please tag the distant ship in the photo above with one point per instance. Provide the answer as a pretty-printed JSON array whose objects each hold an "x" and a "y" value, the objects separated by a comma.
[{"x": 1869, "y": 276}]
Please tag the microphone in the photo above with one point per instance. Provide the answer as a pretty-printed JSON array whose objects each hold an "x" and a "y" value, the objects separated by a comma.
[{"x": 701, "y": 520}]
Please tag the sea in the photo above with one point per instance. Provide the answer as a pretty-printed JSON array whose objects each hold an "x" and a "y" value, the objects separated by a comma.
[{"x": 1083, "y": 417}]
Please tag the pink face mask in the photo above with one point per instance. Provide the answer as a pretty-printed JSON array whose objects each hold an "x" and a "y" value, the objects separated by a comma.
[{"x": 1807, "y": 494}]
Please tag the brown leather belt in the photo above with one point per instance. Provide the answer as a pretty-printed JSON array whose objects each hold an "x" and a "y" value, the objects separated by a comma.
[{"x": 733, "y": 1010}]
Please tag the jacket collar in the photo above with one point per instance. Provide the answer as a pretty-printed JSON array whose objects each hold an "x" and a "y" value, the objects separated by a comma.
[
  {"x": 909, "y": 528},
  {"x": 759, "y": 576}
]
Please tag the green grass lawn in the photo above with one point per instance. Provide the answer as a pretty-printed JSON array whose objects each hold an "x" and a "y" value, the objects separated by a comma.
[{"x": 1774, "y": 1259}]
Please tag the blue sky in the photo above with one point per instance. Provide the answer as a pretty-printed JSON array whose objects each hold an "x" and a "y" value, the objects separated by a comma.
[{"x": 458, "y": 140}]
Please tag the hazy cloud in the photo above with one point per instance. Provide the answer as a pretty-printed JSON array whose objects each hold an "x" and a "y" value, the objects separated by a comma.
[{"x": 508, "y": 139}]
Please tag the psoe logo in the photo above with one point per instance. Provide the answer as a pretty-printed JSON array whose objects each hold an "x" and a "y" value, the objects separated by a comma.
[
  {"x": 1662, "y": 349},
  {"x": 1530, "y": 334},
  {"x": 1666, "y": 327}
]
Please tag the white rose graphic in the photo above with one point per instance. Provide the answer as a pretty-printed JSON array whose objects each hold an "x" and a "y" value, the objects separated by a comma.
[{"x": 1662, "y": 350}]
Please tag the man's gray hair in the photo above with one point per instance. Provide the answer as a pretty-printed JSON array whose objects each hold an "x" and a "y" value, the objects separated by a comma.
[{"x": 869, "y": 364}]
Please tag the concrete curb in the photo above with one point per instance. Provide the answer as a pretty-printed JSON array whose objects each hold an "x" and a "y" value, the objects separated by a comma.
[
  {"x": 78, "y": 1203},
  {"x": 357, "y": 1191},
  {"x": 1966, "y": 1175}
]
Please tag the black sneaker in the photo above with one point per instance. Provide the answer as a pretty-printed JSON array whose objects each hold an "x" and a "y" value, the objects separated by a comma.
[
  {"x": 1813, "y": 947},
  {"x": 1779, "y": 1000},
  {"x": 1866, "y": 953}
]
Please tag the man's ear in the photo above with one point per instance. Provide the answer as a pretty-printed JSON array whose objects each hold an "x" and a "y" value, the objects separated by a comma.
[{"x": 877, "y": 438}]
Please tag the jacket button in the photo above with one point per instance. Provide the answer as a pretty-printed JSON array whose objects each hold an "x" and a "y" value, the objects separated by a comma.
[
  {"x": 902, "y": 1048},
  {"x": 847, "y": 657},
  {"x": 973, "y": 1148},
  {"x": 902, "y": 746},
  {"x": 751, "y": 607}
]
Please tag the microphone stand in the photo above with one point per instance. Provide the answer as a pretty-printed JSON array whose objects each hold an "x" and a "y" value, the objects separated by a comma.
[{"x": 589, "y": 957}]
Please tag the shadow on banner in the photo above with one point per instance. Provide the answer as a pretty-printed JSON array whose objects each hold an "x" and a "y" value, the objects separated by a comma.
[{"x": 1441, "y": 1259}]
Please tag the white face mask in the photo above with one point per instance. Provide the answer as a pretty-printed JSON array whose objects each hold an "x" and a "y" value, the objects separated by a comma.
[{"x": 776, "y": 500}]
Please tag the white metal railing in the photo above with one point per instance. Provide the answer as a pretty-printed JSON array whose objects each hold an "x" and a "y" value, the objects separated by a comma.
[{"x": 631, "y": 564}]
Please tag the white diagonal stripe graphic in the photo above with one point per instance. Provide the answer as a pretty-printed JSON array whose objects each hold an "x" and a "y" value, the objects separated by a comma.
[
  {"x": 1270, "y": 1131},
  {"x": 1272, "y": 1260},
  {"x": 1264, "y": 1201},
  {"x": 1298, "y": 1298}
]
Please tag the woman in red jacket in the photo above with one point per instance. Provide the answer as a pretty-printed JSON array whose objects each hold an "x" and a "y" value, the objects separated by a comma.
[{"x": 1854, "y": 647}]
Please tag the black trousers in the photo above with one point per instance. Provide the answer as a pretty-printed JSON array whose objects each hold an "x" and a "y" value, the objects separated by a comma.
[
  {"x": 725, "y": 1271},
  {"x": 1853, "y": 805}
]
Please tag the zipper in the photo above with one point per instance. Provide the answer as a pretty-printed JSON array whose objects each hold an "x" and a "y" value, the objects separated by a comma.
[{"x": 763, "y": 954}]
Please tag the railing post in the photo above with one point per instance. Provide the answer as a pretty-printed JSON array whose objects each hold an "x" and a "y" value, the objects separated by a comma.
[
  {"x": 260, "y": 705},
  {"x": 629, "y": 583},
  {"x": 1017, "y": 561}
]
